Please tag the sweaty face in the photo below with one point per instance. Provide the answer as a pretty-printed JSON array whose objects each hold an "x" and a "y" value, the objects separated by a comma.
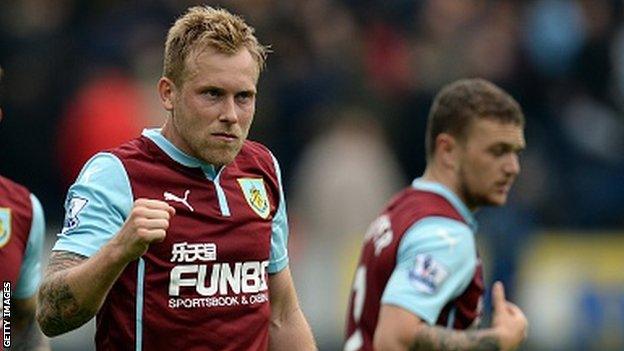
[
  {"x": 213, "y": 108},
  {"x": 489, "y": 161}
]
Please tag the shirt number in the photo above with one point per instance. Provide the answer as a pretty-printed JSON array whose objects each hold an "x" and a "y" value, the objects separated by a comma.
[{"x": 355, "y": 341}]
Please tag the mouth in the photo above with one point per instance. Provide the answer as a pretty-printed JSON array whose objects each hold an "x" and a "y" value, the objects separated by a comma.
[
  {"x": 228, "y": 137},
  {"x": 504, "y": 186}
]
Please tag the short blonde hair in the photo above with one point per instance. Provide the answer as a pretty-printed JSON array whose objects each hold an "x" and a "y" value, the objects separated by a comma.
[{"x": 206, "y": 26}]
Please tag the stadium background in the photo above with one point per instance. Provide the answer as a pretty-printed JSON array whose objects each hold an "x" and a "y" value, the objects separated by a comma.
[{"x": 343, "y": 105}]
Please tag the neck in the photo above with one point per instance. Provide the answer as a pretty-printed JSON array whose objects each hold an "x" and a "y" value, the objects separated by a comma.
[
  {"x": 435, "y": 174},
  {"x": 448, "y": 178},
  {"x": 169, "y": 132}
]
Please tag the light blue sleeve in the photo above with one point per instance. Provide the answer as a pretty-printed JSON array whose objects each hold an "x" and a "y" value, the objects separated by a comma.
[
  {"x": 279, "y": 236},
  {"x": 96, "y": 207},
  {"x": 30, "y": 272},
  {"x": 436, "y": 261}
]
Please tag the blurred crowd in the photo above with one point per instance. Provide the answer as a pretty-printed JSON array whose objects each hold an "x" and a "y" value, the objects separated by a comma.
[
  {"x": 343, "y": 104},
  {"x": 80, "y": 75}
]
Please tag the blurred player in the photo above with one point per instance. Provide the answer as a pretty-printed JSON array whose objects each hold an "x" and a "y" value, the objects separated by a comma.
[
  {"x": 419, "y": 282},
  {"x": 22, "y": 234},
  {"x": 177, "y": 239}
]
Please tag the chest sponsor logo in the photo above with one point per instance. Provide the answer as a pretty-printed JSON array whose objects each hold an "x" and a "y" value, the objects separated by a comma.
[
  {"x": 5, "y": 225},
  {"x": 185, "y": 252},
  {"x": 256, "y": 195},
  {"x": 427, "y": 274},
  {"x": 73, "y": 207},
  {"x": 218, "y": 284}
]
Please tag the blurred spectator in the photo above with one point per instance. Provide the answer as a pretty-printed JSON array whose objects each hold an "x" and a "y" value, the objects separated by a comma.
[
  {"x": 107, "y": 111},
  {"x": 555, "y": 31},
  {"x": 344, "y": 176}
]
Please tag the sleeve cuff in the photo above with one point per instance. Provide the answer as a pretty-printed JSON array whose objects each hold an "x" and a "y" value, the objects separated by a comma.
[
  {"x": 278, "y": 265},
  {"x": 428, "y": 318}
]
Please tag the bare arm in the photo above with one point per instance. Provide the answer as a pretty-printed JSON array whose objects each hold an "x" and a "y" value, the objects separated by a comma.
[
  {"x": 399, "y": 329},
  {"x": 74, "y": 286},
  {"x": 289, "y": 329},
  {"x": 28, "y": 336},
  {"x": 437, "y": 338},
  {"x": 73, "y": 289}
]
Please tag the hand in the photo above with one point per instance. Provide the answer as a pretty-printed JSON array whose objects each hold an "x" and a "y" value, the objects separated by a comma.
[
  {"x": 147, "y": 223},
  {"x": 508, "y": 321}
]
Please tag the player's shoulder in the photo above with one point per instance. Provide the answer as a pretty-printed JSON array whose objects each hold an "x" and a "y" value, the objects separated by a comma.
[
  {"x": 440, "y": 226},
  {"x": 410, "y": 206},
  {"x": 104, "y": 168},
  {"x": 16, "y": 204},
  {"x": 254, "y": 148},
  {"x": 424, "y": 201},
  {"x": 256, "y": 154},
  {"x": 7, "y": 186},
  {"x": 13, "y": 191},
  {"x": 419, "y": 204},
  {"x": 133, "y": 148},
  {"x": 442, "y": 235}
]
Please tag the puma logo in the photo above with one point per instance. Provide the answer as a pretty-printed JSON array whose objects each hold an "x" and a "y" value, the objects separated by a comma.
[
  {"x": 90, "y": 172},
  {"x": 446, "y": 236},
  {"x": 171, "y": 197}
]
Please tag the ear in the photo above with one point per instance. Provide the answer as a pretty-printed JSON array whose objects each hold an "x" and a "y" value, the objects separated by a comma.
[
  {"x": 167, "y": 92},
  {"x": 447, "y": 149}
]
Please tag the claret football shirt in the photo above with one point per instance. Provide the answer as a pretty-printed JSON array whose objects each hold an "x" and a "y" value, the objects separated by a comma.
[
  {"x": 205, "y": 287},
  {"x": 420, "y": 255}
]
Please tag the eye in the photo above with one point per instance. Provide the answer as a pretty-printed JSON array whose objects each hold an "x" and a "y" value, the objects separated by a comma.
[
  {"x": 212, "y": 93},
  {"x": 245, "y": 97},
  {"x": 498, "y": 150}
]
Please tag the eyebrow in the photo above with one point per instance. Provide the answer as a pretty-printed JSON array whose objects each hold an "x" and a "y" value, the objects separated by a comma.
[
  {"x": 508, "y": 146},
  {"x": 249, "y": 92},
  {"x": 223, "y": 91}
]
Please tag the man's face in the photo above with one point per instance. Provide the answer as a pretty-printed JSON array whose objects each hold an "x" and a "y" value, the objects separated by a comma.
[
  {"x": 213, "y": 108},
  {"x": 489, "y": 161}
]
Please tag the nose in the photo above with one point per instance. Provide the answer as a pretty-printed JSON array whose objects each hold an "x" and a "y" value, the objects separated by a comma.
[
  {"x": 512, "y": 164},
  {"x": 228, "y": 111}
]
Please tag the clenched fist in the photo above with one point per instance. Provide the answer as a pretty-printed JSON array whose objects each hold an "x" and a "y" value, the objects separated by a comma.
[{"x": 147, "y": 223}]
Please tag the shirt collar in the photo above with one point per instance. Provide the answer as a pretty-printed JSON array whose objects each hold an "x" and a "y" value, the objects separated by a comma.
[
  {"x": 155, "y": 135},
  {"x": 450, "y": 196}
]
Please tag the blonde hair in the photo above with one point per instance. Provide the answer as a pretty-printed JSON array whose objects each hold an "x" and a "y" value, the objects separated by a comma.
[{"x": 203, "y": 26}]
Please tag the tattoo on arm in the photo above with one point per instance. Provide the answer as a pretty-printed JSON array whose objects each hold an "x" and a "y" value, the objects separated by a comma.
[
  {"x": 59, "y": 311},
  {"x": 437, "y": 338}
]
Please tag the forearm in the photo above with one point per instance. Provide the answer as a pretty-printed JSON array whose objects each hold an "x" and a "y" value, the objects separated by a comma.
[
  {"x": 437, "y": 338},
  {"x": 72, "y": 292},
  {"x": 290, "y": 331},
  {"x": 30, "y": 338},
  {"x": 27, "y": 335}
]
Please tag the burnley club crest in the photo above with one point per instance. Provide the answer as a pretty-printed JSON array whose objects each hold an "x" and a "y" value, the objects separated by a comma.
[
  {"x": 256, "y": 195},
  {"x": 5, "y": 225}
]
